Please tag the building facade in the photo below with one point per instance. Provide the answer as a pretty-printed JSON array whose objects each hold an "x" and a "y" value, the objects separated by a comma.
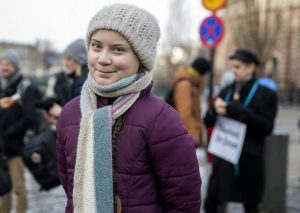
[
  {"x": 272, "y": 30},
  {"x": 35, "y": 59}
]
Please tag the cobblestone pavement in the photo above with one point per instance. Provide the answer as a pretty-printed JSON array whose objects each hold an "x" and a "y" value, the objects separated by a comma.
[{"x": 54, "y": 200}]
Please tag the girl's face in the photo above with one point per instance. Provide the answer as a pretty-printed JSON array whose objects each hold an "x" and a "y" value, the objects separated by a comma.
[
  {"x": 70, "y": 64},
  {"x": 110, "y": 57}
]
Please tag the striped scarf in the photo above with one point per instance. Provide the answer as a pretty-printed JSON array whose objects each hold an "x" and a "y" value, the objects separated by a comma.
[{"x": 93, "y": 176}]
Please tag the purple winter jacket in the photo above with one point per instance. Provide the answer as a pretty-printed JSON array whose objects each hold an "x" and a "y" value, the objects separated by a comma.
[{"x": 155, "y": 160}]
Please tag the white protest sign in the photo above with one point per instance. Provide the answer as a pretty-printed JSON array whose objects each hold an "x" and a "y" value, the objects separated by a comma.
[{"x": 227, "y": 139}]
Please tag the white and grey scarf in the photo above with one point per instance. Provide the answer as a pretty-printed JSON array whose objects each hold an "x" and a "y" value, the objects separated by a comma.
[{"x": 93, "y": 176}]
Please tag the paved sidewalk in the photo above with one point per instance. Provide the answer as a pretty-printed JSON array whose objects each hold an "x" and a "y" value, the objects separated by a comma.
[
  {"x": 286, "y": 121},
  {"x": 53, "y": 201}
]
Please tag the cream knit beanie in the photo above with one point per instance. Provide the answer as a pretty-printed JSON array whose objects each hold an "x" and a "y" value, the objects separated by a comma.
[{"x": 137, "y": 25}]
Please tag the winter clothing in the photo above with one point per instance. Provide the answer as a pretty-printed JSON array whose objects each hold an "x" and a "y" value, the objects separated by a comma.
[
  {"x": 137, "y": 25},
  {"x": 14, "y": 122},
  {"x": 77, "y": 51},
  {"x": 5, "y": 180},
  {"x": 18, "y": 118},
  {"x": 246, "y": 186},
  {"x": 13, "y": 57},
  {"x": 16, "y": 170},
  {"x": 124, "y": 161},
  {"x": 95, "y": 131},
  {"x": 187, "y": 100},
  {"x": 155, "y": 171},
  {"x": 63, "y": 87},
  {"x": 245, "y": 56}
]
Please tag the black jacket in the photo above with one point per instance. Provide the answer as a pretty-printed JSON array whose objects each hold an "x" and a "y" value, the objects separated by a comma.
[
  {"x": 68, "y": 87},
  {"x": 259, "y": 116},
  {"x": 18, "y": 118}
]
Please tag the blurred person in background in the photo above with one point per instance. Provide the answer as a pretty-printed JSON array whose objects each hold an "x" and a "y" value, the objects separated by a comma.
[
  {"x": 64, "y": 86},
  {"x": 5, "y": 180},
  {"x": 120, "y": 148},
  {"x": 17, "y": 115},
  {"x": 187, "y": 85},
  {"x": 246, "y": 101}
]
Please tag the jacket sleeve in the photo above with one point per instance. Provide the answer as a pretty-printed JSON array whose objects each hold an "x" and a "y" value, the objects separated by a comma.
[
  {"x": 211, "y": 114},
  {"x": 260, "y": 120},
  {"x": 184, "y": 104},
  {"x": 61, "y": 157},
  {"x": 31, "y": 117},
  {"x": 210, "y": 117},
  {"x": 174, "y": 161}
]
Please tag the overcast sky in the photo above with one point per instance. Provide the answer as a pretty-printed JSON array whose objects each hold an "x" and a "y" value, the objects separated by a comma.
[{"x": 62, "y": 21}]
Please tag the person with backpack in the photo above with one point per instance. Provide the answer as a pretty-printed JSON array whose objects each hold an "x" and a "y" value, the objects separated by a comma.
[
  {"x": 185, "y": 96},
  {"x": 17, "y": 115},
  {"x": 120, "y": 148},
  {"x": 255, "y": 105}
]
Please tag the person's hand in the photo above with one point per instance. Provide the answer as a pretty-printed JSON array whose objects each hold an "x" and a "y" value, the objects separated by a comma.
[
  {"x": 220, "y": 106},
  {"x": 6, "y": 102}
]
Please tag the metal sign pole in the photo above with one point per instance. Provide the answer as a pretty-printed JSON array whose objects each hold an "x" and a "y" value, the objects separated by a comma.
[
  {"x": 211, "y": 75},
  {"x": 211, "y": 33}
]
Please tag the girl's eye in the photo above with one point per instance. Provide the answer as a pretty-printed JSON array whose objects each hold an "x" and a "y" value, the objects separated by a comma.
[
  {"x": 95, "y": 45},
  {"x": 119, "y": 50}
]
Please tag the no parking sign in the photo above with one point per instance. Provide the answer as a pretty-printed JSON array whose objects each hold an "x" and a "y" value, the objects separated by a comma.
[{"x": 211, "y": 31}]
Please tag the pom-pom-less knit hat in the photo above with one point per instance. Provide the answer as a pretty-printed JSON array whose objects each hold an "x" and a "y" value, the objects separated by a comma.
[
  {"x": 13, "y": 57},
  {"x": 137, "y": 25},
  {"x": 77, "y": 51}
]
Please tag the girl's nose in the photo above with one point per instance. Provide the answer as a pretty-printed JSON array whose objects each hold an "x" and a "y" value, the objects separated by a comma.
[{"x": 104, "y": 58}]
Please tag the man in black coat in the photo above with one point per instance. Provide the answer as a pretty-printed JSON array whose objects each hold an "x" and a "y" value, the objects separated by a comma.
[
  {"x": 17, "y": 115},
  {"x": 243, "y": 182}
]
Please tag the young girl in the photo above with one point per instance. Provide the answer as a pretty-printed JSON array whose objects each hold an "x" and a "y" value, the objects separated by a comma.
[{"x": 120, "y": 148}]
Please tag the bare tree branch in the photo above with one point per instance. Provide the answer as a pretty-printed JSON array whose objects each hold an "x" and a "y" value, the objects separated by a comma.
[{"x": 257, "y": 25}]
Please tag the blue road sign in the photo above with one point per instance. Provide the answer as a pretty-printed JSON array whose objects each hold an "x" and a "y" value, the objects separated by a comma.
[{"x": 211, "y": 31}]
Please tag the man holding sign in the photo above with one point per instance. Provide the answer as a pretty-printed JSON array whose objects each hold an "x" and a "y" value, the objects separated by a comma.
[{"x": 242, "y": 116}]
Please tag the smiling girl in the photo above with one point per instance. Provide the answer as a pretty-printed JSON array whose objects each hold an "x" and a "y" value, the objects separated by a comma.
[{"x": 120, "y": 148}]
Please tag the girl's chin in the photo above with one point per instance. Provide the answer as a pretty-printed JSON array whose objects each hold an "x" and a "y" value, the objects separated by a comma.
[{"x": 104, "y": 81}]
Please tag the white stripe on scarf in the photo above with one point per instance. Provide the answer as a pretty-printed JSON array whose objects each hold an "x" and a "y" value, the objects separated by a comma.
[{"x": 84, "y": 195}]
